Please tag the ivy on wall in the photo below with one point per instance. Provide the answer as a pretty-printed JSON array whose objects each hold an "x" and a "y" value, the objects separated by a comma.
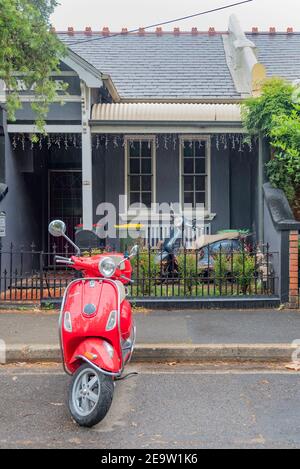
[{"x": 275, "y": 115}]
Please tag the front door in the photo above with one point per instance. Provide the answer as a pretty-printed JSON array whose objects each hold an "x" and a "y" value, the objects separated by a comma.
[{"x": 65, "y": 201}]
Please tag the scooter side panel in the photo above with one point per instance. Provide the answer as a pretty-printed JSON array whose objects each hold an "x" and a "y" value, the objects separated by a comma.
[
  {"x": 90, "y": 303},
  {"x": 126, "y": 319}
]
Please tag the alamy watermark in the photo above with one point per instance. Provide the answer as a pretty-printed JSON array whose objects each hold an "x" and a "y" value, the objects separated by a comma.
[
  {"x": 2, "y": 352},
  {"x": 296, "y": 92},
  {"x": 296, "y": 352},
  {"x": 138, "y": 217}
]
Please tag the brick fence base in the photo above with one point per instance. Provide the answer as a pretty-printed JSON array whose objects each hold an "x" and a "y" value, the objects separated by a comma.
[{"x": 294, "y": 269}]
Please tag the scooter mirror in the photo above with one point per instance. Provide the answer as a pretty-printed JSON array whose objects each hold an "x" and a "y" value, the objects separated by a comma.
[
  {"x": 134, "y": 251},
  {"x": 57, "y": 228},
  {"x": 178, "y": 222}
]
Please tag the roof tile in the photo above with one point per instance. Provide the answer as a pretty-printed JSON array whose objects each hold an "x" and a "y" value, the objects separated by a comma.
[{"x": 162, "y": 67}]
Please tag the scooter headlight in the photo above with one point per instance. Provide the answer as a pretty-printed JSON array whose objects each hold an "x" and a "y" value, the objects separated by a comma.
[{"x": 107, "y": 267}]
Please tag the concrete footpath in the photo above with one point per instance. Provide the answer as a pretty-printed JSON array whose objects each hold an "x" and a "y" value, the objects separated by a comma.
[{"x": 169, "y": 335}]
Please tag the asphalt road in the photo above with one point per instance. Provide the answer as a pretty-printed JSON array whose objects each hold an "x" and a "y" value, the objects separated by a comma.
[{"x": 165, "y": 406}]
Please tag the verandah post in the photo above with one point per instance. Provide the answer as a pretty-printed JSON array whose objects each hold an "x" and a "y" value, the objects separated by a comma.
[{"x": 87, "y": 188}]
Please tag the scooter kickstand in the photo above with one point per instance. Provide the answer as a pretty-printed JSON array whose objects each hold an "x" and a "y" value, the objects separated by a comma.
[{"x": 129, "y": 375}]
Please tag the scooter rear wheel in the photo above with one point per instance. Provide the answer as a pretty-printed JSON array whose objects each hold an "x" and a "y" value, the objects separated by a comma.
[{"x": 90, "y": 395}]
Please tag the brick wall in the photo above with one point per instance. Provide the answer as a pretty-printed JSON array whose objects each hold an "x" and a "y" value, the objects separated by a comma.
[{"x": 294, "y": 269}]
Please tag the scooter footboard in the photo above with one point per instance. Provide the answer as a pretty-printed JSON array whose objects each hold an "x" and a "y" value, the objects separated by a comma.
[{"x": 98, "y": 353}]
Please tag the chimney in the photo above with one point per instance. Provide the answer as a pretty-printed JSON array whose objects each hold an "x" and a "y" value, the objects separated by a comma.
[
  {"x": 272, "y": 30},
  {"x": 194, "y": 31},
  {"x": 211, "y": 31},
  {"x": 105, "y": 31},
  {"x": 255, "y": 30},
  {"x": 141, "y": 31},
  {"x": 124, "y": 31},
  {"x": 290, "y": 30},
  {"x": 88, "y": 31},
  {"x": 70, "y": 31},
  {"x": 176, "y": 31},
  {"x": 159, "y": 31}
]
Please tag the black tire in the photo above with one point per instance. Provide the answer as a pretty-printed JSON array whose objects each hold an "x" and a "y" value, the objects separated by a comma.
[{"x": 101, "y": 408}]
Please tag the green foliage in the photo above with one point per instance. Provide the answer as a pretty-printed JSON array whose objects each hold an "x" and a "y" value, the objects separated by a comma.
[
  {"x": 188, "y": 264},
  {"x": 146, "y": 264},
  {"x": 27, "y": 47},
  {"x": 276, "y": 115},
  {"x": 276, "y": 99},
  {"x": 240, "y": 269}
]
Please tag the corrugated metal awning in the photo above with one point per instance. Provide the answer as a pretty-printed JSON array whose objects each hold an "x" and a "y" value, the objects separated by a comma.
[{"x": 166, "y": 112}]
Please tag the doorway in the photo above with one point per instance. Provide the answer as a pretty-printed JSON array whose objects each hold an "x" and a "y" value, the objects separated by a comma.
[{"x": 65, "y": 201}]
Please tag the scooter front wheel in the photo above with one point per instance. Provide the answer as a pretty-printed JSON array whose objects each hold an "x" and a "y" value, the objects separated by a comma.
[{"x": 90, "y": 395}]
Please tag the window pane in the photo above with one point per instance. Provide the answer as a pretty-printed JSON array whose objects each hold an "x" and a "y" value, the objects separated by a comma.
[
  {"x": 134, "y": 148},
  {"x": 140, "y": 171},
  {"x": 188, "y": 166},
  {"x": 146, "y": 198},
  {"x": 200, "y": 165},
  {"x": 200, "y": 183},
  {"x": 134, "y": 197},
  {"x": 146, "y": 166},
  {"x": 134, "y": 166},
  {"x": 146, "y": 149},
  {"x": 200, "y": 149},
  {"x": 200, "y": 198},
  {"x": 188, "y": 183},
  {"x": 146, "y": 183},
  {"x": 135, "y": 183},
  {"x": 189, "y": 198},
  {"x": 188, "y": 149}
]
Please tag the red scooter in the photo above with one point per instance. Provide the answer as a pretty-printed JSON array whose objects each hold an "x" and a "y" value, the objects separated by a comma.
[{"x": 97, "y": 332}]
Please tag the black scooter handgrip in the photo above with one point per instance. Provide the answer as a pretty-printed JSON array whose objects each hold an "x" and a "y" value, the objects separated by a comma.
[{"x": 127, "y": 279}]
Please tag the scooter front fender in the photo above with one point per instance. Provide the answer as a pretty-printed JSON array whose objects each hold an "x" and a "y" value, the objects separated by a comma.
[{"x": 98, "y": 353}]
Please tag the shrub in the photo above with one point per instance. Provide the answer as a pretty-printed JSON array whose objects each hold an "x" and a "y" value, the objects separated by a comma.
[
  {"x": 275, "y": 115},
  {"x": 240, "y": 269}
]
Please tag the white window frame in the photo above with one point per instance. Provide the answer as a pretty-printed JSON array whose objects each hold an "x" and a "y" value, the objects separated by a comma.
[
  {"x": 130, "y": 138},
  {"x": 195, "y": 137}
]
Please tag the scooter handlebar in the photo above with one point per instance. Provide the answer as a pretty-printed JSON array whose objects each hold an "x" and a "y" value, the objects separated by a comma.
[
  {"x": 63, "y": 260},
  {"x": 127, "y": 279}
]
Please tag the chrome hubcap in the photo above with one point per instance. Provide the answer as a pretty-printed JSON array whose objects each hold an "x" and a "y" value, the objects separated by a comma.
[{"x": 86, "y": 391}]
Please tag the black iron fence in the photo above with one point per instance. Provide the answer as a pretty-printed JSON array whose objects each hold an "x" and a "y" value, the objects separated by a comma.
[{"x": 33, "y": 276}]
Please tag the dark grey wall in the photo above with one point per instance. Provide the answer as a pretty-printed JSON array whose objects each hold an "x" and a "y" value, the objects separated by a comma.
[
  {"x": 19, "y": 203},
  {"x": 70, "y": 112},
  {"x": 254, "y": 193},
  {"x": 231, "y": 181},
  {"x": 2, "y": 149},
  {"x": 167, "y": 174},
  {"x": 243, "y": 176},
  {"x": 108, "y": 175},
  {"x": 220, "y": 189}
]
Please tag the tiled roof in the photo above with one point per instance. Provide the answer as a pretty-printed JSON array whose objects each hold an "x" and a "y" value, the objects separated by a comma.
[
  {"x": 166, "y": 66},
  {"x": 279, "y": 52}
]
